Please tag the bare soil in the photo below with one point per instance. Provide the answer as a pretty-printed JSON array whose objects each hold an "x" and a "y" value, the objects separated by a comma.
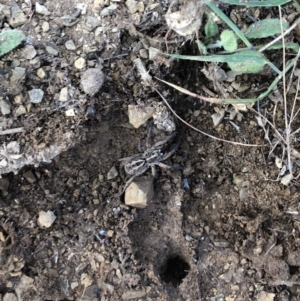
[{"x": 218, "y": 229}]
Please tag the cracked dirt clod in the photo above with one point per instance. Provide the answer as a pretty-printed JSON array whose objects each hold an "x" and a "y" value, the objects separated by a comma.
[{"x": 92, "y": 81}]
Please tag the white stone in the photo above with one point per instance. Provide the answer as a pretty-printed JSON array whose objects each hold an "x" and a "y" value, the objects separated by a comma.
[
  {"x": 79, "y": 63},
  {"x": 82, "y": 7},
  {"x": 70, "y": 45},
  {"x": 10, "y": 297},
  {"x": 45, "y": 26},
  {"x": 36, "y": 95},
  {"x": 139, "y": 193},
  {"x": 41, "y": 73},
  {"x": 5, "y": 107},
  {"x": 41, "y": 9},
  {"x": 29, "y": 52},
  {"x": 64, "y": 95},
  {"x": 138, "y": 115},
  {"x": 46, "y": 219},
  {"x": 132, "y": 6},
  {"x": 21, "y": 110},
  {"x": 70, "y": 113}
]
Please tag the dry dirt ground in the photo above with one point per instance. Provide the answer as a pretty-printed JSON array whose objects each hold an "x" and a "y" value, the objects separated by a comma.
[{"x": 218, "y": 229}]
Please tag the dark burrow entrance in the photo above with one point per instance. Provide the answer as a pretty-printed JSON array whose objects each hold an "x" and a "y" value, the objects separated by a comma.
[{"x": 174, "y": 270}]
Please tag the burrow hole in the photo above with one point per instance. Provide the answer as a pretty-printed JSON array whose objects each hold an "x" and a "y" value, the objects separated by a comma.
[{"x": 174, "y": 270}]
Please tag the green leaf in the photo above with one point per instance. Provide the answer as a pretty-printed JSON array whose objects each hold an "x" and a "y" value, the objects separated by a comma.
[
  {"x": 211, "y": 28},
  {"x": 265, "y": 28},
  {"x": 9, "y": 40},
  {"x": 229, "y": 40},
  {"x": 246, "y": 61}
]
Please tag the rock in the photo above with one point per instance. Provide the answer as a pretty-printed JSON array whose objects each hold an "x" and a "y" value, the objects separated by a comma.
[
  {"x": 24, "y": 284},
  {"x": 52, "y": 48},
  {"x": 286, "y": 179},
  {"x": 264, "y": 296},
  {"x": 139, "y": 193},
  {"x": 20, "y": 110},
  {"x": 140, "y": 7},
  {"x": 218, "y": 117},
  {"x": 5, "y": 107},
  {"x": 112, "y": 173},
  {"x": 132, "y": 6},
  {"x": 70, "y": 112},
  {"x": 91, "y": 293},
  {"x": 107, "y": 11},
  {"x": 134, "y": 294},
  {"x": 35, "y": 63},
  {"x": 10, "y": 297},
  {"x": 41, "y": 9},
  {"x": 79, "y": 63},
  {"x": 41, "y": 73},
  {"x": 17, "y": 75},
  {"x": 45, "y": 26},
  {"x": 17, "y": 17},
  {"x": 29, "y": 52},
  {"x": 36, "y": 95},
  {"x": 138, "y": 115},
  {"x": 46, "y": 219},
  {"x": 92, "y": 80},
  {"x": 92, "y": 22},
  {"x": 63, "y": 95},
  {"x": 83, "y": 7},
  {"x": 70, "y": 45},
  {"x": 29, "y": 176},
  {"x": 143, "y": 53}
]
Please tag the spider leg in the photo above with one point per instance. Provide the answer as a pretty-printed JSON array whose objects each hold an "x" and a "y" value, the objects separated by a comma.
[
  {"x": 171, "y": 152},
  {"x": 153, "y": 170},
  {"x": 165, "y": 166}
]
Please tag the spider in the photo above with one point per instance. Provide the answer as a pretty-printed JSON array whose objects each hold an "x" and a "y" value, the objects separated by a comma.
[{"x": 153, "y": 156}]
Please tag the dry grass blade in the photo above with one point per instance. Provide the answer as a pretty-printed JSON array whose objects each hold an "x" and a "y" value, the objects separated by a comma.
[
  {"x": 199, "y": 131},
  {"x": 208, "y": 99}
]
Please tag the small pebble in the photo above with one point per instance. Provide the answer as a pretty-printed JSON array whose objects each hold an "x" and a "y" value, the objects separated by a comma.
[
  {"x": 10, "y": 297},
  {"x": 196, "y": 113},
  {"x": 45, "y": 26},
  {"x": 46, "y": 219},
  {"x": 29, "y": 176},
  {"x": 92, "y": 22},
  {"x": 36, "y": 95},
  {"x": 21, "y": 110},
  {"x": 79, "y": 63},
  {"x": 143, "y": 53},
  {"x": 29, "y": 52},
  {"x": 92, "y": 80},
  {"x": 107, "y": 11},
  {"x": 188, "y": 238},
  {"x": 113, "y": 173},
  {"x": 41, "y": 9},
  {"x": 63, "y": 95},
  {"x": 70, "y": 45},
  {"x": 70, "y": 113},
  {"x": 5, "y": 107},
  {"x": 52, "y": 48},
  {"x": 41, "y": 73}
]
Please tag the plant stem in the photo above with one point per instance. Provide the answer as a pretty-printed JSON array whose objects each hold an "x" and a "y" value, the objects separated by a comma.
[{"x": 267, "y": 3}]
